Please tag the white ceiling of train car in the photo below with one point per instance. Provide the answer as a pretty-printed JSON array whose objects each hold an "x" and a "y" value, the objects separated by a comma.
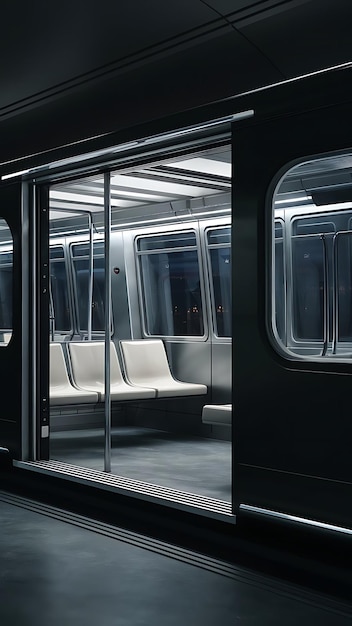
[
  {"x": 48, "y": 47},
  {"x": 181, "y": 179}
]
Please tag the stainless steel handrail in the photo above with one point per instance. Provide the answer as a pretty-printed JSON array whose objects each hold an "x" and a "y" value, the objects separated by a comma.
[
  {"x": 107, "y": 229},
  {"x": 325, "y": 297},
  {"x": 335, "y": 300}
]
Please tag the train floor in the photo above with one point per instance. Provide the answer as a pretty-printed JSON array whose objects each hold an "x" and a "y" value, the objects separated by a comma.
[
  {"x": 60, "y": 568},
  {"x": 190, "y": 464}
]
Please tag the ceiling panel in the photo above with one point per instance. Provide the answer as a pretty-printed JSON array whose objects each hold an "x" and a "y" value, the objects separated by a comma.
[
  {"x": 231, "y": 8},
  {"x": 161, "y": 58},
  {"x": 46, "y": 47},
  {"x": 43, "y": 48},
  {"x": 304, "y": 38},
  {"x": 218, "y": 66}
]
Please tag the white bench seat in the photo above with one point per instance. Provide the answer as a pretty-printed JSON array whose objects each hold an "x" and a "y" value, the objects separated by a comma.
[
  {"x": 146, "y": 365},
  {"x": 217, "y": 414},
  {"x": 87, "y": 359},
  {"x": 61, "y": 391}
]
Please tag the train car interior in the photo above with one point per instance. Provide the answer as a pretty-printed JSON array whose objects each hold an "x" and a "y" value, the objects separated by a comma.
[{"x": 170, "y": 351}]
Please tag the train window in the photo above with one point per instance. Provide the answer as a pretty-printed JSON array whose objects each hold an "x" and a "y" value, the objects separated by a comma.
[
  {"x": 219, "y": 247},
  {"x": 6, "y": 283},
  {"x": 80, "y": 257},
  {"x": 170, "y": 281},
  {"x": 60, "y": 309},
  {"x": 311, "y": 314}
]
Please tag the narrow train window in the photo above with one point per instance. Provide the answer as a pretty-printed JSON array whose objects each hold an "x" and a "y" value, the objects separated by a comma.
[
  {"x": 170, "y": 282},
  {"x": 81, "y": 270},
  {"x": 219, "y": 247},
  {"x": 311, "y": 313},
  {"x": 60, "y": 317},
  {"x": 6, "y": 282}
]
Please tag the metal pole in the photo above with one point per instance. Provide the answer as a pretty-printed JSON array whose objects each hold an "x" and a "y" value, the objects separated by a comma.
[
  {"x": 325, "y": 298},
  {"x": 90, "y": 284},
  {"x": 107, "y": 229},
  {"x": 35, "y": 404}
]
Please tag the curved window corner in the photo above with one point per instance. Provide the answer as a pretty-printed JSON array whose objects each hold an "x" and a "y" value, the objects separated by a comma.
[
  {"x": 311, "y": 281},
  {"x": 6, "y": 283}
]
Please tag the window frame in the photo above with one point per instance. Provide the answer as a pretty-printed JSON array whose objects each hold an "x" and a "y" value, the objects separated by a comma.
[{"x": 182, "y": 228}]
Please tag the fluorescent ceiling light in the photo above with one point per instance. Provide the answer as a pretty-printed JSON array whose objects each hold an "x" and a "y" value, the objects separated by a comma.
[
  {"x": 99, "y": 200},
  {"x": 76, "y": 208},
  {"x": 121, "y": 181},
  {"x": 204, "y": 166}
]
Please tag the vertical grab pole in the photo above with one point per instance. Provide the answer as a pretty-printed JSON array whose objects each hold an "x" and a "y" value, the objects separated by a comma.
[
  {"x": 107, "y": 229},
  {"x": 34, "y": 292},
  {"x": 90, "y": 283},
  {"x": 325, "y": 298},
  {"x": 335, "y": 257}
]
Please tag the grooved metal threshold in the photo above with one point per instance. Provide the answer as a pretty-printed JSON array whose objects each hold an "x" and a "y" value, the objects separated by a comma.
[{"x": 181, "y": 500}]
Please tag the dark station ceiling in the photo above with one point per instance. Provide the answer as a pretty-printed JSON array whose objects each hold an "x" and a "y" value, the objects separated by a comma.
[{"x": 77, "y": 68}]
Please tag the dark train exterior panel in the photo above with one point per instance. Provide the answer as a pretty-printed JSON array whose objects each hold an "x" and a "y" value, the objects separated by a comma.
[
  {"x": 11, "y": 374},
  {"x": 292, "y": 426}
]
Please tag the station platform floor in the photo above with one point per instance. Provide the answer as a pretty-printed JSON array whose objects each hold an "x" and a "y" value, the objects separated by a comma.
[{"x": 64, "y": 569}]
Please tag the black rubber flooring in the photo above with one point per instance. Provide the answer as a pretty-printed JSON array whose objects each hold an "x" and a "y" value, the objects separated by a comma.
[
  {"x": 194, "y": 465},
  {"x": 61, "y": 569}
]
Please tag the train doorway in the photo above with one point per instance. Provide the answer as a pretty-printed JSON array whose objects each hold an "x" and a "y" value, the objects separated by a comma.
[{"x": 129, "y": 379}]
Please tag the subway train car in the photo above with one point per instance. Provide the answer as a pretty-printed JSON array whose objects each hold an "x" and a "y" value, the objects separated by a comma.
[{"x": 176, "y": 303}]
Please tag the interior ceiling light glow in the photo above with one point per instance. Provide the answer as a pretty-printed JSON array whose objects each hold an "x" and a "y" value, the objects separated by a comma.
[
  {"x": 204, "y": 166},
  {"x": 99, "y": 200},
  {"x": 159, "y": 187},
  {"x": 77, "y": 207},
  {"x": 162, "y": 187},
  {"x": 118, "y": 195}
]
